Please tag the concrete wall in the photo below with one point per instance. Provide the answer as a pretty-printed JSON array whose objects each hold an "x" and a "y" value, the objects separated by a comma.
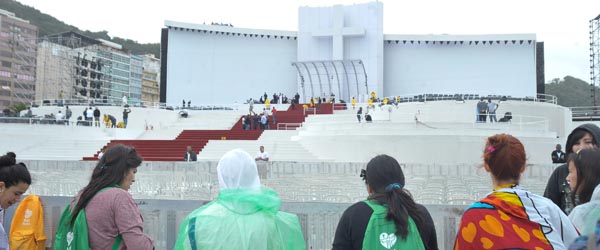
[{"x": 446, "y": 132}]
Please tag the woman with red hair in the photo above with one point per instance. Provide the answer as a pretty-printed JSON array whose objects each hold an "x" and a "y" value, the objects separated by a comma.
[{"x": 511, "y": 217}]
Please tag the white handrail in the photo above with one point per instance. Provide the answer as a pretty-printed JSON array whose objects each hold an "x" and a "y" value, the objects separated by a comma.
[{"x": 288, "y": 125}]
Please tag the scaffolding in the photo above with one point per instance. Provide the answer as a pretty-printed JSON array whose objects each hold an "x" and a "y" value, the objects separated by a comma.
[
  {"x": 55, "y": 74},
  {"x": 22, "y": 66},
  {"x": 594, "y": 57},
  {"x": 70, "y": 71}
]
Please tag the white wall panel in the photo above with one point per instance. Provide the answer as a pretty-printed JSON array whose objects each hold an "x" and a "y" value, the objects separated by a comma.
[
  {"x": 367, "y": 17},
  {"x": 499, "y": 69},
  {"x": 221, "y": 69}
]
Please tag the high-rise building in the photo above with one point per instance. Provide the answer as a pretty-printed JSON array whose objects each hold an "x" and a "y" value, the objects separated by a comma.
[
  {"x": 18, "y": 39},
  {"x": 117, "y": 69},
  {"x": 80, "y": 69},
  {"x": 135, "y": 80},
  {"x": 151, "y": 79},
  {"x": 64, "y": 70}
]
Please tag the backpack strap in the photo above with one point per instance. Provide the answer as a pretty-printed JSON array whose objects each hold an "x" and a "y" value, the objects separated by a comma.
[
  {"x": 377, "y": 208},
  {"x": 118, "y": 242}
]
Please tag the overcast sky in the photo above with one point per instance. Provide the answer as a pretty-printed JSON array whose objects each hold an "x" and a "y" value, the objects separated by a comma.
[{"x": 562, "y": 25}]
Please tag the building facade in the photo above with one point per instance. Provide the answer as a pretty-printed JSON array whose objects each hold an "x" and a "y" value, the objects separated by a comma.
[
  {"x": 77, "y": 69},
  {"x": 151, "y": 79},
  {"x": 18, "y": 40},
  {"x": 341, "y": 50},
  {"x": 55, "y": 71},
  {"x": 150, "y": 87},
  {"x": 135, "y": 79}
]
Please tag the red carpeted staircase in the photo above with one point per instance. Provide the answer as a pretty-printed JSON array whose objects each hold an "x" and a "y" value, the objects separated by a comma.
[{"x": 174, "y": 150}]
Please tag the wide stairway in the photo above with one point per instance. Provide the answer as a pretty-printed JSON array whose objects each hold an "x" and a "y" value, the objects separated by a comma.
[{"x": 174, "y": 150}]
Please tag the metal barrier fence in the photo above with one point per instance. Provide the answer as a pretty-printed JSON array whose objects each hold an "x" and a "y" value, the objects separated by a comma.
[
  {"x": 162, "y": 219},
  {"x": 166, "y": 192}
]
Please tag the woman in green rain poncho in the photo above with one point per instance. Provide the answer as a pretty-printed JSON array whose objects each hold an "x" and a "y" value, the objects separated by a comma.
[{"x": 244, "y": 216}]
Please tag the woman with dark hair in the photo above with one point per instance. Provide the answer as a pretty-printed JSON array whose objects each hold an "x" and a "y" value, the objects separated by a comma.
[
  {"x": 557, "y": 189},
  {"x": 14, "y": 182},
  {"x": 511, "y": 217},
  {"x": 389, "y": 216},
  {"x": 110, "y": 210},
  {"x": 584, "y": 179}
]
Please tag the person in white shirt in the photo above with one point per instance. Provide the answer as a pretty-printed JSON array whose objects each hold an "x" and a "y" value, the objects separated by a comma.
[
  {"x": 101, "y": 153},
  {"x": 59, "y": 117},
  {"x": 492, "y": 107},
  {"x": 262, "y": 155},
  {"x": 89, "y": 116},
  {"x": 262, "y": 161}
]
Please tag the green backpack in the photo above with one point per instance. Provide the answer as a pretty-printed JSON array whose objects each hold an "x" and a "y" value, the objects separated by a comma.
[
  {"x": 75, "y": 237},
  {"x": 381, "y": 232}
]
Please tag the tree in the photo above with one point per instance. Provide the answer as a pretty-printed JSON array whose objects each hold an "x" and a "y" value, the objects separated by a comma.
[
  {"x": 17, "y": 108},
  {"x": 571, "y": 91}
]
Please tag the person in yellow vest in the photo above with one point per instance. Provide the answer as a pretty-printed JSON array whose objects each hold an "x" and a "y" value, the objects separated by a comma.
[
  {"x": 397, "y": 101},
  {"x": 383, "y": 103},
  {"x": 371, "y": 103},
  {"x": 312, "y": 102},
  {"x": 267, "y": 103},
  {"x": 373, "y": 95},
  {"x": 106, "y": 121},
  {"x": 353, "y": 102}
]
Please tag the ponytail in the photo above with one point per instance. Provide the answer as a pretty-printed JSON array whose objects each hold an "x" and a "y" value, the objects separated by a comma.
[
  {"x": 385, "y": 177},
  {"x": 400, "y": 206}
]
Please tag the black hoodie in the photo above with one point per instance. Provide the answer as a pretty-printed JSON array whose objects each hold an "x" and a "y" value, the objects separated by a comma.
[{"x": 557, "y": 188}]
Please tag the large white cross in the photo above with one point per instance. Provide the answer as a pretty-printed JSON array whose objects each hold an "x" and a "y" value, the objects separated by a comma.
[{"x": 338, "y": 31}]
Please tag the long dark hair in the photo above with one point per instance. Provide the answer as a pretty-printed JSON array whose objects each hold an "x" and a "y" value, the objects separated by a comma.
[
  {"x": 382, "y": 173},
  {"x": 588, "y": 173},
  {"x": 11, "y": 173},
  {"x": 109, "y": 171}
]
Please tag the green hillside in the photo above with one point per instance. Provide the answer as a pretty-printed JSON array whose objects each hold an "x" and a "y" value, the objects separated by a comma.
[
  {"x": 49, "y": 25},
  {"x": 572, "y": 92}
]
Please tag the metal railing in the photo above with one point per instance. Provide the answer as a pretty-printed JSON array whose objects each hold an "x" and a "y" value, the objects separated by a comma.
[
  {"x": 418, "y": 97},
  {"x": 288, "y": 126},
  {"x": 585, "y": 111},
  {"x": 309, "y": 111},
  {"x": 421, "y": 97},
  {"x": 33, "y": 120},
  {"x": 522, "y": 121}
]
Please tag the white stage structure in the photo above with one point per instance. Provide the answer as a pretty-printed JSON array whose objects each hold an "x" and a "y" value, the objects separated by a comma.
[{"x": 339, "y": 50}]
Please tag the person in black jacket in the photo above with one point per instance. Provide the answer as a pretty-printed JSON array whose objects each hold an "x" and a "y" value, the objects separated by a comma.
[
  {"x": 558, "y": 156},
  {"x": 96, "y": 117},
  {"x": 557, "y": 189},
  {"x": 190, "y": 155},
  {"x": 385, "y": 183}
]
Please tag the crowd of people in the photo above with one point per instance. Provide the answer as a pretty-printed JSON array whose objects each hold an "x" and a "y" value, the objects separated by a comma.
[
  {"x": 509, "y": 217},
  {"x": 260, "y": 120},
  {"x": 91, "y": 116}
]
